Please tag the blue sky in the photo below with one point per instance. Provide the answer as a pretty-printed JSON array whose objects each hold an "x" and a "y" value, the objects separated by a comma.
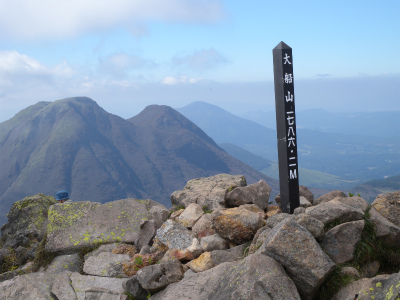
[{"x": 127, "y": 54}]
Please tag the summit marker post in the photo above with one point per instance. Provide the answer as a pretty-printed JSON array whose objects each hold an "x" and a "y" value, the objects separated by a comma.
[{"x": 286, "y": 127}]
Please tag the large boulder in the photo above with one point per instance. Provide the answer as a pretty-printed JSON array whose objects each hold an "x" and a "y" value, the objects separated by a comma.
[
  {"x": 257, "y": 277},
  {"x": 388, "y": 205},
  {"x": 34, "y": 286},
  {"x": 335, "y": 211},
  {"x": 340, "y": 242},
  {"x": 190, "y": 215},
  {"x": 156, "y": 277},
  {"x": 207, "y": 191},
  {"x": 256, "y": 193},
  {"x": 299, "y": 253},
  {"x": 27, "y": 221},
  {"x": 385, "y": 230},
  {"x": 328, "y": 197},
  {"x": 238, "y": 224},
  {"x": 79, "y": 225},
  {"x": 314, "y": 226}
]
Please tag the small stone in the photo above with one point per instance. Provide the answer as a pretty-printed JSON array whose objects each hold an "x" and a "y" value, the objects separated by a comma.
[{"x": 202, "y": 263}]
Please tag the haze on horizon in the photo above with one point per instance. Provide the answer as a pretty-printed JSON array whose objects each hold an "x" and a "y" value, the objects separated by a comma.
[{"x": 129, "y": 54}]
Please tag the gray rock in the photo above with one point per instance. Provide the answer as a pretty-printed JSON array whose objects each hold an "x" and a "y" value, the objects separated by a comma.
[
  {"x": 83, "y": 283},
  {"x": 190, "y": 215},
  {"x": 340, "y": 242},
  {"x": 230, "y": 255},
  {"x": 174, "y": 235},
  {"x": 106, "y": 264},
  {"x": 203, "y": 227},
  {"x": 333, "y": 211},
  {"x": 391, "y": 288},
  {"x": 72, "y": 263},
  {"x": 258, "y": 239},
  {"x": 370, "y": 269},
  {"x": 62, "y": 287},
  {"x": 133, "y": 287},
  {"x": 257, "y": 277},
  {"x": 27, "y": 221},
  {"x": 304, "y": 202},
  {"x": 276, "y": 219},
  {"x": 388, "y": 205},
  {"x": 207, "y": 191},
  {"x": 368, "y": 288},
  {"x": 159, "y": 214},
  {"x": 156, "y": 277},
  {"x": 146, "y": 234},
  {"x": 328, "y": 197},
  {"x": 306, "y": 193},
  {"x": 314, "y": 226},
  {"x": 78, "y": 225},
  {"x": 350, "y": 271},
  {"x": 34, "y": 286},
  {"x": 355, "y": 202},
  {"x": 256, "y": 193},
  {"x": 238, "y": 224},
  {"x": 299, "y": 210},
  {"x": 298, "y": 252},
  {"x": 102, "y": 248},
  {"x": 103, "y": 294},
  {"x": 213, "y": 242},
  {"x": 385, "y": 230}
]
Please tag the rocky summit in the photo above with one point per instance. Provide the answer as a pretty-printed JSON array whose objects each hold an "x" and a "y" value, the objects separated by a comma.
[{"x": 221, "y": 239}]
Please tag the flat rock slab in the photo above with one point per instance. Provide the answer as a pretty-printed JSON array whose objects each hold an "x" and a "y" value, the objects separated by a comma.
[
  {"x": 106, "y": 264},
  {"x": 63, "y": 263},
  {"x": 257, "y": 277},
  {"x": 78, "y": 225},
  {"x": 340, "y": 242},
  {"x": 333, "y": 211},
  {"x": 299, "y": 253},
  {"x": 208, "y": 191},
  {"x": 81, "y": 284},
  {"x": 388, "y": 205},
  {"x": 34, "y": 286}
]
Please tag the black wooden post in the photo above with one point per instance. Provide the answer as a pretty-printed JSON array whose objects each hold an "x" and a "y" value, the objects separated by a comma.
[{"x": 286, "y": 128}]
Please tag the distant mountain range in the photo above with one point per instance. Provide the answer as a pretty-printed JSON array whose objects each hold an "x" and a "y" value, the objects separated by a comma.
[
  {"x": 342, "y": 160},
  {"x": 76, "y": 145},
  {"x": 375, "y": 124}
]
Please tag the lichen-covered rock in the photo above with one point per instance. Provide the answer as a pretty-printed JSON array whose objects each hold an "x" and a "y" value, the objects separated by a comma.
[
  {"x": 78, "y": 225},
  {"x": 328, "y": 197},
  {"x": 61, "y": 263},
  {"x": 257, "y": 277},
  {"x": 239, "y": 225},
  {"x": 106, "y": 264},
  {"x": 27, "y": 221},
  {"x": 174, "y": 235},
  {"x": 256, "y": 193},
  {"x": 366, "y": 288},
  {"x": 298, "y": 252},
  {"x": 177, "y": 254},
  {"x": 156, "y": 277},
  {"x": 388, "y": 205},
  {"x": 340, "y": 242},
  {"x": 333, "y": 211},
  {"x": 202, "y": 263},
  {"x": 62, "y": 287},
  {"x": 190, "y": 215},
  {"x": 208, "y": 191}
]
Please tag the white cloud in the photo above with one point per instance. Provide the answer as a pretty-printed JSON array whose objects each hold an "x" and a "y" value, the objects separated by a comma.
[
  {"x": 172, "y": 80},
  {"x": 201, "y": 60},
  {"x": 36, "y": 19},
  {"x": 118, "y": 65}
]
